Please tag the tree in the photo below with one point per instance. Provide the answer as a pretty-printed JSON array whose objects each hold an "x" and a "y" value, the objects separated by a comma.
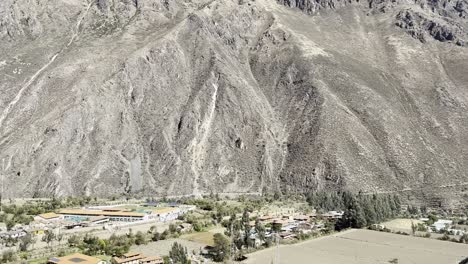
[
  {"x": 10, "y": 223},
  {"x": 260, "y": 230},
  {"x": 246, "y": 227},
  {"x": 221, "y": 247},
  {"x": 153, "y": 229},
  {"x": 140, "y": 238},
  {"x": 48, "y": 237},
  {"x": 8, "y": 256},
  {"x": 276, "y": 227},
  {"x": 59, "y": 238},
  {"x": 277, "y": 195},
  {"x": 25, "y": 242},
  {"x": 172, "y": 228},
  {"x": 413, "y": 228},
  {"x": 178, "y": 254},
  {"x": 74, "y": 241},
  {"x": 156, "y": 236},
  {"x": 464, "y": 238}
]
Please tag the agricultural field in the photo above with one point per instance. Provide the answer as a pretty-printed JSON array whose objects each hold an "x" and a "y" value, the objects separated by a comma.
[
  {"x": 205, "y": 238},
  {"x": 163, "y": 247},
  {"x": 364, "y": 247},
  {"x": 401, "y": 224}
]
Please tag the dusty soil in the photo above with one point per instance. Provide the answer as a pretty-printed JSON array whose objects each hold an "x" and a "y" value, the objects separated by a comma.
[{"x": 365, "y": 247}]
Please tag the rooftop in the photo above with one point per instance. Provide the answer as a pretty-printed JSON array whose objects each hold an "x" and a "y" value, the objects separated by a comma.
[
  {"x": 49, "y": 215},
  {"x": 99, "y": 213},
  {"x": 153, "y": 258},
  {"x": 76, "y": 258},
  {"x": 130, "y": 254},
  {"x": 128, "y": 259},
  {"x": 164, "y": 210}
]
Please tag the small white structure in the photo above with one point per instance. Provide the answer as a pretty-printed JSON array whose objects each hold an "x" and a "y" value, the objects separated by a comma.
[{"x": 442, "y": 224}]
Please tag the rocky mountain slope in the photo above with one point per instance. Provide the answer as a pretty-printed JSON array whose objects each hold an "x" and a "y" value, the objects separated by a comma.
[{"x": 187, "y": 97}]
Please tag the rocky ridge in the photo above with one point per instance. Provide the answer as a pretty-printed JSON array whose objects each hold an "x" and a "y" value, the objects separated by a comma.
[{"x": 443, "y": 20}]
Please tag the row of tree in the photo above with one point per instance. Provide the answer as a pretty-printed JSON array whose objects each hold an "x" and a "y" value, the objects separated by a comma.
[
  {"x": 23, "y": 214},
  {"x": 360, "y": 210}
]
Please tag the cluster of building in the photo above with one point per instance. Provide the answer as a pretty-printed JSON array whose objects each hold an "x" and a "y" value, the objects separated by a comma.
[
  {"x": 444, "y": 225},
  {"x": 75, "y": 259},
  {"x": 291, "y": 225},
  {"x": 129, "y": 258},
  {"x": 137, "y": 258},
  {"x": 105, "y": 216}
]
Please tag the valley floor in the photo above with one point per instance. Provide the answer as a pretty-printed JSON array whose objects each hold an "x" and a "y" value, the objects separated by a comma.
[{"x": 364, "y": 247}]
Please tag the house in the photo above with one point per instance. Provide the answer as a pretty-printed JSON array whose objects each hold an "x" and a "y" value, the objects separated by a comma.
[
  {"x": 287, "y": 235},
  {"x": 78, "y": 215},
  {"x": 265, "y": 219},
  {"x": 333, "y": 215},
  {"x": 166, "y": 213},
  {"x": 37, "y": 230},
  {"x": 278, "y": 223},
  {"x": 13, "y": 234},
  {"x": 286, "y": 217},
  {"x": 129, "y": 258},
  {"x": 289, "y": 227},
  {"x": 301, "y": 218},
  {"x": 441, "y": 224},
  {"x": 137, "y": 258},
  {"x": 48, "y": 217},
  {"x": 304, "y": 227},
  {"x": 319, "y": 226},
  {"x": 312, "y": 216},
  {"x": 74, "y": 259},
  {"x": 152, "y": 260}
]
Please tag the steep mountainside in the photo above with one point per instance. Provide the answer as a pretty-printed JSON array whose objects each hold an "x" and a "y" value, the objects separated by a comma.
[{"x": 186, "y": 97}]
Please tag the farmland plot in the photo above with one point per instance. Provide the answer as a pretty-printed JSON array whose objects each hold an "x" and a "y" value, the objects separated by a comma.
[{"x": 365, "y": 247}]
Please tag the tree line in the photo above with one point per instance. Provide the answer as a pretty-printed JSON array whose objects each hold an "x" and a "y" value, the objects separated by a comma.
[{"x": 360, "y": 209}]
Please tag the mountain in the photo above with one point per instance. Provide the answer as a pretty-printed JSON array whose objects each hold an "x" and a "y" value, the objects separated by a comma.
[{"x": 186, "y": 97}]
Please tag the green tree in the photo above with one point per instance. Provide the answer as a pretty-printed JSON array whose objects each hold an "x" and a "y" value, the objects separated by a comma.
[
  {"x": 25, "y": 242},
  {"x": 246, "y": 227},
  {"x": 172, "y": 228},
  {"x": 74, "y": 241},
  {"x": 178, "y": 254},
  {"x": 8, "y": 256},
  {"x": 260, "y": 230},
  {"x": 413, "y": 228},
  {"x": 140, "y": 238},
  {"x": 221, "y": 247},
  {"x": 48, "y": 237},
  {"x": 10, "y": 223}
]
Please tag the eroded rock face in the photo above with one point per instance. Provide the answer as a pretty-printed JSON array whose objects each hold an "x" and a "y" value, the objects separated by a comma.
[
  {"x": 442, "y": 20},
  {"x": 420, "y": 27},
  {"x": 313, "y": 6},
  {"x": 188, "y": 97}
]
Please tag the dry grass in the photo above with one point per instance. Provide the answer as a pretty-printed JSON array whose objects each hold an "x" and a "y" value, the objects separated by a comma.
[
  {"x": 401, "y": 224},
  {"x": 365, "y": 247},
  {"x": 200, "y": 237}
]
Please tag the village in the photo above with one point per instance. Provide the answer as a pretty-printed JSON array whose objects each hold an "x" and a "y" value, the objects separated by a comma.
[
  {"x": 50, "y": 232},
  {"x": 204, "y": 230}
]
